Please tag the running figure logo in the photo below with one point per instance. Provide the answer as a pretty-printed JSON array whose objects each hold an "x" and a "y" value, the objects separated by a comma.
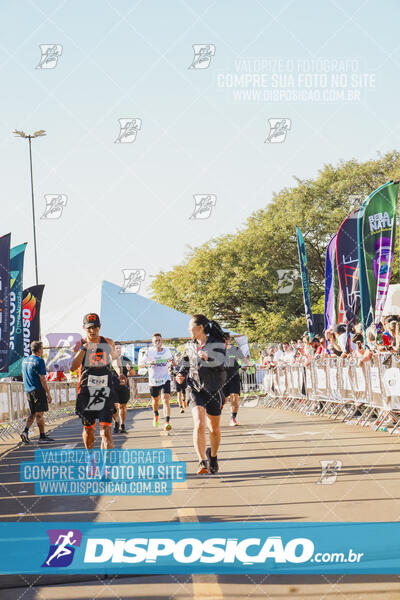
[
  {"x": 278, "y": 129},
  {"x": 50, "y": 55},
  {"x": 63, "y": 543},
  {"x": 203, "y": 205},
  {"x": 132, "y": 280},
  {"x": 98, "y": 397},
  {"x": 286, "y": 279},
  {"x": 128, "y": 129},
  {"x": 203, "y": 54},
  {"x": 329, "y": 471},
  {"x": 55, "y": 203}
]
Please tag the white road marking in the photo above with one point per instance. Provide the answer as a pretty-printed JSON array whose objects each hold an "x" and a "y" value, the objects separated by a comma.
[
  {"x": 277, "y": 436},
  {"x": 272, "y": 434}
]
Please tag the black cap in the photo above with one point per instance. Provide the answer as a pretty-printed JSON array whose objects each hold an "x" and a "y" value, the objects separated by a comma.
[
  {"x": 340, "y": 328},
  {"x": 91, "y": 320}
]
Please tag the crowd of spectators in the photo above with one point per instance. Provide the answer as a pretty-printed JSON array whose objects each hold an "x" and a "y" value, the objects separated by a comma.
[{"x": 337, "y": 342}]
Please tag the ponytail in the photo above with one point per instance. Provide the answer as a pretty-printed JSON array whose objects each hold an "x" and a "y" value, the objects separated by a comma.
[{"x": 210, "y": 327}]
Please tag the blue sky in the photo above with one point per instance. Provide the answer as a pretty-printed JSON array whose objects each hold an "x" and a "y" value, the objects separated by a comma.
[{"x": 129, "y": 204}]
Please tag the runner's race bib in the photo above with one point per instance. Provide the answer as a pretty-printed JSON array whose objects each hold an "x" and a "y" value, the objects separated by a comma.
[
  {"x": 97, "y": 380},
  {"x": 99, "y": 392}
]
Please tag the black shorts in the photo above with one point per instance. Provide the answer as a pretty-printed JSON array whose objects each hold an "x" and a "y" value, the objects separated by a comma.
[
  {"x": 89, "y": 417},
  {"x": 181, "y": 387},
  {"x": 122, "y": 395},
  {"x": 155, "y": 390},
  {"x": 232, "y": 385},
  {"x": 37, "y": 400},
  {"x": 213, "y": 403}
]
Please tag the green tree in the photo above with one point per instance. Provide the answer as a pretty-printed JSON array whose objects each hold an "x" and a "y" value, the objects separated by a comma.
[{"x": 233, "y": 278}]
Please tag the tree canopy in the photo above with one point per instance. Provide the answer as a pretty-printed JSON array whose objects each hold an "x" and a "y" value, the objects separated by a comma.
[{"x": 234, "y": 278}]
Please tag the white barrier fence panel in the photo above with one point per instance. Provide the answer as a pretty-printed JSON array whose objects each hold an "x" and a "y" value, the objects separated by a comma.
[{"x": 338, "y": 385}]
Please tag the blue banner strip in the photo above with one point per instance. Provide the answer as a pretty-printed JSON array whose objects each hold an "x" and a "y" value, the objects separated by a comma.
[{"x": 221, "y": 548}]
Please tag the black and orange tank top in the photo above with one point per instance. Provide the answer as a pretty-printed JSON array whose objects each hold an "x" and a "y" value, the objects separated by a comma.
[{"x": 96, "y": 362}]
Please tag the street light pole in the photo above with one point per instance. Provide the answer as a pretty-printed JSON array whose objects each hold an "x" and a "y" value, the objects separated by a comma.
[
  {"x": 29, "y": 138},
  {"x": 33, "y": 208}
]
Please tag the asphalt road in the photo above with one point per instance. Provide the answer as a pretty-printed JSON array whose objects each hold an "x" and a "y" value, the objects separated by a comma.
[{"x": 270, "y": 470}]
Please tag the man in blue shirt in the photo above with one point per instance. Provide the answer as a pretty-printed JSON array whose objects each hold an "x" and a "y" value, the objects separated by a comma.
[{"x": 35, "y": 384}]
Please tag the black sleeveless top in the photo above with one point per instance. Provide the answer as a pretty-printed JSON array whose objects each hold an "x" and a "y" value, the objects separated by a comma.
[{"x": 97, "y": 363}]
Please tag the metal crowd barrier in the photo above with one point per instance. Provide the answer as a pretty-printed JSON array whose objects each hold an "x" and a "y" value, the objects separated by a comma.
[
  {"x": 335, "y": 387},
  {"x": 249, "y": 381},
  {"x": 14, "y": 407}
]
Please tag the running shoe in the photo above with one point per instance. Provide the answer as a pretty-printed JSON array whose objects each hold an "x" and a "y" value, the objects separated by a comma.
[
  {"x": 182, "y": 410},
  {"x": 25, "y": 438},
  {"x": 212, "y": 462},
  {"x": 233, "y": 422},
  {"x": 156, "y": 422},
  {"x": 45, "y": 440},
  {"x": 123, "y": 430},
  {"x": 116, "y": 427},
  {"x": 167, "y": 426},
  {"x": 202, "y": 467}
]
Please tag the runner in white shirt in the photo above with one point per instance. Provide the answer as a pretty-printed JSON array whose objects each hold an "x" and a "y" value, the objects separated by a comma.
[{"x": 157, "y": 360}]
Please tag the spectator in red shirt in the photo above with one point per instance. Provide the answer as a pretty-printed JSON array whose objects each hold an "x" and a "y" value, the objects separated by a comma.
[{"x": 56, "y": 376}]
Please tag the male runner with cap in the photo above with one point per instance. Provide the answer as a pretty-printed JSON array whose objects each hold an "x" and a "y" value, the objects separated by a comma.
[
  {"x": 95, "y": 398},
  {"x": 232, "y": 384},
  {"x": 122, "y": 392},
  {"x": 156, "y": 359}
]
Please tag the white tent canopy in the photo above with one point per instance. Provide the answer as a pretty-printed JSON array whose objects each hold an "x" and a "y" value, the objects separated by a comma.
[{"x": 128, "y": 317}]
